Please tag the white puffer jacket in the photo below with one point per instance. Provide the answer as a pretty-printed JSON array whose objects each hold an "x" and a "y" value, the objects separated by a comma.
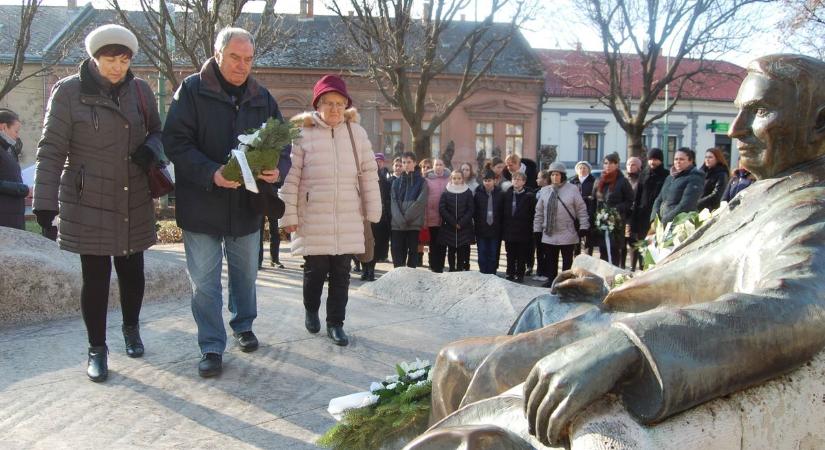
[{"x": 321, "y": 189}]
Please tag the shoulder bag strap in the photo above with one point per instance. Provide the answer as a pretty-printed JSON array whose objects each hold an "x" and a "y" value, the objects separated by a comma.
[
  {"x": 357, "y": 167},
  {"x": 142, "y": 105},
  {"x": 565, "y": 208}
]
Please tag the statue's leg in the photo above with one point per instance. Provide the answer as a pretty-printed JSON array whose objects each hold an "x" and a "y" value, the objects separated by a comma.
[
  {"x": 454, "y": 369},
  {"x": 509, "y": 363}
]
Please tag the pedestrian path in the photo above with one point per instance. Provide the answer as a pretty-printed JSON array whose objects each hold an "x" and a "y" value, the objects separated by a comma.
[{"x": 274, "y": 398}]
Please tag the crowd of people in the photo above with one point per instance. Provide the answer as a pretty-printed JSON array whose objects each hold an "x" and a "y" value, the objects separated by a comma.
[{"x": 102, "y": 134}]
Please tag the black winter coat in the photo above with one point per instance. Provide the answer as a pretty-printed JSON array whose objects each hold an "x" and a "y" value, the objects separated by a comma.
[
  {"x": 12, "y": 190},
  {"x": 482, "y": 229},
  {"x": 716, "y": 180},
  {"x": 518, "y": 226},
  {"x": 679, "y": 194},
  {"x": 586, "y": 190},
  {"x": 456, "y": 209},
  {"x": 650, "y": 184},
  {"x": 619, "y": 197},
  {"x": 531, "y": 171},
  {"x": 202, "y": 126}
]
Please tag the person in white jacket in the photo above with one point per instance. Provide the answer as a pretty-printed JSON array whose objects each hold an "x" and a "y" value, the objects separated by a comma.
[
  {"x": 327, "y": 197},
  {"x": 559, "y": 206}
]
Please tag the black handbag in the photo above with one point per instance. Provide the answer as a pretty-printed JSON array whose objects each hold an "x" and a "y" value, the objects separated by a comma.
[{"x": 160, "y": 181}]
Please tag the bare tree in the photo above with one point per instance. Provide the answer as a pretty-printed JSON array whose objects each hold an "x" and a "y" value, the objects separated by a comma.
[
  {"x": 181, "y": 33},
  {"x": 804, "y": 27},
  {"x": 404, "y": 54},
  {"x": 12, "y": 75},
  {"x": 669, "y": 44}
]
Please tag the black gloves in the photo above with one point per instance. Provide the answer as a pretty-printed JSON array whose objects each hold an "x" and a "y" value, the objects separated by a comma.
[
  {"x": 583, "y": 232},
  {"x": 45, "y": 219},
  {"x": 143, "y": 157}
]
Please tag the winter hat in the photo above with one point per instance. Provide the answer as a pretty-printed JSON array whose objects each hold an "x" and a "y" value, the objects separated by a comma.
[
  {"x": 488, "y": 174},
  {"x": 380, "y": 157},
  {"x": 558, "y": 166},
  {"x": 655, "y": 153},
  {"x": 612, "y": 157},
  {"x": 584, "y": 163},
  {"x": 329, "y": 83},
  {"x": 108, "y": 35}
]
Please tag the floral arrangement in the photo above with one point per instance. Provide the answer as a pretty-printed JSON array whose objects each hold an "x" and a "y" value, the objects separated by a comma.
[
  {"x": 667, "y": 237},
  {"x": 608, "y": 219},
  {"x": 393, "y": 410},
  {"x": 262, "y": 147}
]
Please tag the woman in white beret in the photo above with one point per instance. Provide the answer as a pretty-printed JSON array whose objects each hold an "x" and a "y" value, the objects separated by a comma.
[{"x": 101, "y": 133}]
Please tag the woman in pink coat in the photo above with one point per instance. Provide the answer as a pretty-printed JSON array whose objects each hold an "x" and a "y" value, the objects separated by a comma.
[
  {"x": 323, "y": 198},
  {"x": 437, "y": 180}
]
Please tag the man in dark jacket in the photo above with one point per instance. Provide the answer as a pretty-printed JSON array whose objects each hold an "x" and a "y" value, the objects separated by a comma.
[
  {"x": 209, "y": 111},
  {"x": 12, "y": 190},
  {"x": 408, "y": 201},
  {"x": 487, "y": 218},
  {"x": 650, "y": 184}
]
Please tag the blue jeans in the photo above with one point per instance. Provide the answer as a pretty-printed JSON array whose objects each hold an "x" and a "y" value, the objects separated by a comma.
[
  {"x": 488, "y": 254},
  {"x": 204, "y": 259}
]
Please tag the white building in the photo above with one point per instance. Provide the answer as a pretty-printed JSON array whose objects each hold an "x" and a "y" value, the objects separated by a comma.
[{"x": 581, "y": 128}]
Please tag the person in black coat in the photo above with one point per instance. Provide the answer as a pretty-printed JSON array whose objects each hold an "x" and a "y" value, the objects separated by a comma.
[
  {"x": 613, "y": 191},
  {"x": 517, "y": 227},
  {"x": 381, "y": 231},
  {"x": 514, "y": 164},
  {"x": 740, "y": 179},
  {"x": 487, "y": 216},
  {"x": 456, "y": 210},
  {"x": 585, "y": 181},
  {"x": 12, "y": 190},
  {"x": 716, "y": 171},
  {"x": 650, "y": 184}
]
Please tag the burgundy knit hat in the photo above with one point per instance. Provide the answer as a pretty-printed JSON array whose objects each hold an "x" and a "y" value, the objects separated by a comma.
[{"x": 329, "y": 83}]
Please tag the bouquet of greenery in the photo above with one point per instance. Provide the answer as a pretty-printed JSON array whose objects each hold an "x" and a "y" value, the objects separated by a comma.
[
  {"x": 668, "y": 236},
  {"x": 608, "y": 219},
  {"x": 392, "y": 411},
  {"x": 262, "y": 148}
]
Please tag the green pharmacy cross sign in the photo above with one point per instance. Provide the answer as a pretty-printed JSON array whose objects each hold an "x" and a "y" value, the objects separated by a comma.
[{"x": 717, "y": 127}]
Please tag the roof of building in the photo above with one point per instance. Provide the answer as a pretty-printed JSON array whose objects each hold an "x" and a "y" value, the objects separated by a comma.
[
  {"x": 569, "y": 73},
  {"x": 319, "y": 42}
]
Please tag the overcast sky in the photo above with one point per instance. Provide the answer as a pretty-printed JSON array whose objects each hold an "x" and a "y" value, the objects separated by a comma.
[{"x": 557, "y": 26}]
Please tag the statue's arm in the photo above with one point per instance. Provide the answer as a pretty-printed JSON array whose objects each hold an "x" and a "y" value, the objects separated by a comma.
[{"x": 773, "y": 324}]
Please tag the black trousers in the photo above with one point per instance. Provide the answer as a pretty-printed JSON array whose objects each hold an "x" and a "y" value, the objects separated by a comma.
[
  {"x": 541, "y": 258},
  {"x": 459, "y": 258},
  {"x": 517, "y": 255},
  {"x": 617, "y": 243},
  {"x": 404, "y": 247},
  {"x": 438, "y": 251},
  {"x": 381, "y": 232},
  {"x": 274, "y": 241},
  {"x": 552, "y": 253},
  {"x": 94, "y": 294},
  {"x": 316, "y": 270}
]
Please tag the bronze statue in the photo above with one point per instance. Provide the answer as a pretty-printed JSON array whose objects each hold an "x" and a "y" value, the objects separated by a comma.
[
  {"x": 449, "y": 152},
  {"x": 740, "y": 302}
]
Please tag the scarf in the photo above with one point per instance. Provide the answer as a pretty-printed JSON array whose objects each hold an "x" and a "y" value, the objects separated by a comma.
[
  {"x": 551, "y": 209},
  {"x": 490, "y": 207},
  {"x": 608, "y": 180},
  {"x": 674, "y": 172}
]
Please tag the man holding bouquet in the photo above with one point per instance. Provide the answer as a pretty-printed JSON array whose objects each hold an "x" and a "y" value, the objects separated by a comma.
[{"x": 208, "y": 113}]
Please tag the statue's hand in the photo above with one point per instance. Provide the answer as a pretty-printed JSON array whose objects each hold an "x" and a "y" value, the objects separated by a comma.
[
  {"x": 579, "y": 285},
  {"x": 568, "y": 380}
]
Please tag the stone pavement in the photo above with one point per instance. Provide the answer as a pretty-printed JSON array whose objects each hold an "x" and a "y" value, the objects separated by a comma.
[{"x": 274, "y": 398}]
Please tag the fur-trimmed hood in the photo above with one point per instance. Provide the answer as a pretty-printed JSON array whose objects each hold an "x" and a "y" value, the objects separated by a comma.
[
  {"x": 310, "y": 119},
  {"x": 457, "y": 188}
]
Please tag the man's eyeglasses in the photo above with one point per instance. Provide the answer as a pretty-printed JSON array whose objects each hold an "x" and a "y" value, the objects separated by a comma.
[{"x": 334, "y": 105}]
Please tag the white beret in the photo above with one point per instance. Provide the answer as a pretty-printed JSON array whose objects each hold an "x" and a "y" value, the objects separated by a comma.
[{"x": 110, "y": 34}]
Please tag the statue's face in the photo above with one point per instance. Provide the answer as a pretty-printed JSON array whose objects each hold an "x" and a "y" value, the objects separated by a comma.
[{"x": 766, "y": 126}]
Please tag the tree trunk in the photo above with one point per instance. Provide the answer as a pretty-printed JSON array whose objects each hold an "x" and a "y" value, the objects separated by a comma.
[
  {"x": 634, "y": 144},
  {"x": 421, "y": 145}
]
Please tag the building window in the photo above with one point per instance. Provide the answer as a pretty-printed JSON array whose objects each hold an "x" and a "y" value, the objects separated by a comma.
[
  {"x": 435, "y": 139},
  {"x": 484, "y": 138},
  {"x": 514, "y": 138},
  {"x": 590, "y": 148},
  {"x": 392, "y": 135},
  {"x": 672, "y": 145}
]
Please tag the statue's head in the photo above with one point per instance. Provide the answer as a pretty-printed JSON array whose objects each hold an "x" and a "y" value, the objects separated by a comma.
[{"x": 781, "y": 120}]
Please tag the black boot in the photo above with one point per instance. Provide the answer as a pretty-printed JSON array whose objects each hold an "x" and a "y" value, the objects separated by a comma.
[
  {"x": 371, "y": 276},
  {"x": 134, "y": 346},
  {"x": 336, "y": 332},
  {"x": 98, "y": 369},
  {"x": 357, "y": 266},
  {"x": 312, "y": 322}
]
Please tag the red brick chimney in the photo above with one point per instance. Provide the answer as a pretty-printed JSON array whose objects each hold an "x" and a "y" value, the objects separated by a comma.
[
  {"x": 307, "y": 8},
  {"x": 72, "y": 4}
]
